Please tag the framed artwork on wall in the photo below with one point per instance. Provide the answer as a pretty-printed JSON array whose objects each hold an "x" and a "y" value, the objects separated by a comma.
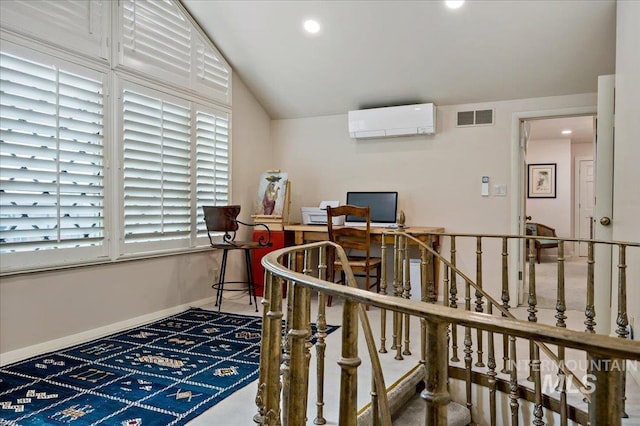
[{"x": 541, "y": 182}]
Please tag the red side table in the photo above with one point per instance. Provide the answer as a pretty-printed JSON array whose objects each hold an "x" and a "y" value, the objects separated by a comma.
[{"x": 279, "y": 239}]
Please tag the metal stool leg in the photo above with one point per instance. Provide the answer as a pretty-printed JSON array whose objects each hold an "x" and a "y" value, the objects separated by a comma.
[
  {"x": 252, "y": 289},
  {"x": 220, "y": 285}
]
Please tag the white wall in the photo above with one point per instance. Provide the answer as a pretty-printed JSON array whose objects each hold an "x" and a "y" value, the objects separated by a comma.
[
  {"x": 438, "y": 177},
  {"x": 38, "y": 307},
  {"x": 553, "y": 212},
  {"x": 626, "y": 207}
]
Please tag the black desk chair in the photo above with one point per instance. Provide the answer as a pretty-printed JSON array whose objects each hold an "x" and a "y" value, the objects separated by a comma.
[{"x": 223, "y": 219}]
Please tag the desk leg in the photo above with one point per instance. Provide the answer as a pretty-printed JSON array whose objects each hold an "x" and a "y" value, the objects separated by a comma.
[{"x": 299, "y": 240}]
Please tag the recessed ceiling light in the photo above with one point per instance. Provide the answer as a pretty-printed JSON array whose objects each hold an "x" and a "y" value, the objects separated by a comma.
[
  {"x": 454, "y": 4},
  {"x": 311, "y": 26},
  {"x": 566, "y": 132}
]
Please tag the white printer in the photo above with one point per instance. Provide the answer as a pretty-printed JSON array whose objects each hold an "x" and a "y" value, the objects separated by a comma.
[{"x": 318, "y": 215}]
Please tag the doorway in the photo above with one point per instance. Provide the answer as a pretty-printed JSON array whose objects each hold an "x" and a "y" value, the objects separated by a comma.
[
  {"x": 520, "y": 134},
  {"x": 564, "y": 148}
]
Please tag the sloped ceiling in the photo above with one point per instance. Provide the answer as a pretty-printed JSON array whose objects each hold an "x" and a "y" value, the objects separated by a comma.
[{"x": 383, "y": 53}]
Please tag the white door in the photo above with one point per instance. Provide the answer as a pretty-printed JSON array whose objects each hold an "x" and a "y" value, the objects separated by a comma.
[
  {"x": 586, "y": 200},
  {"x": 603, "y": 208}
]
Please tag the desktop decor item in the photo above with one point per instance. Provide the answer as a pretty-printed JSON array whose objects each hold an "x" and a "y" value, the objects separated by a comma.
[{"x": 541, "y": 182}]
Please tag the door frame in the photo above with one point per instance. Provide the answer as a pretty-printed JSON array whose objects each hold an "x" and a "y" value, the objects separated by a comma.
[{"x": 518, "y": 179}]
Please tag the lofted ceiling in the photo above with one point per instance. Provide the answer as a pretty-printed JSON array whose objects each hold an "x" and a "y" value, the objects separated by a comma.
[{"x": 383, "y": 53}]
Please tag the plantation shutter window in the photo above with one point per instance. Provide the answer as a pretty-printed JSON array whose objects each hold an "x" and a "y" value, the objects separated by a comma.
[
  {"x": 51, "y": 154},
  {"x": 79, "y": 26},
  {"x": 156, "y": 168},
  {"x": 213, "y": 74},
  {"x": 115, "y": 130},
  {"x": 157, "y": 39},
  {"x": 213, "y": 162}
]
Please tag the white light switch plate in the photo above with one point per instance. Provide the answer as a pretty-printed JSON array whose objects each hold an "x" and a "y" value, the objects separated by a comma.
[{"x": 500, "y": 190}]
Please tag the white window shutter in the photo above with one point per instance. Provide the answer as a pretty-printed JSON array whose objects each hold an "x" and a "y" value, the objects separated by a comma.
[
  {"x": 212, "y": 161},
  {"x": 79, "y": 26},
  {"x": 156, "y": 39},
  {"x": 51, "y": 155},
  {"x": 213, "y": 74},
  {"x": 156, "y": 169}
]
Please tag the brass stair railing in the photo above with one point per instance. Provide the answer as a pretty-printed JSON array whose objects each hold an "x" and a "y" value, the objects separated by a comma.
[
  {"x": 450, "y": 289},
  {"x": 284, "y": 364}
]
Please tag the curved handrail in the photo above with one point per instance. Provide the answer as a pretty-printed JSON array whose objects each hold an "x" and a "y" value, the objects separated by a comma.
[
  {"x": 531, "y": 237},
  {"x": 593, "y": 343}
]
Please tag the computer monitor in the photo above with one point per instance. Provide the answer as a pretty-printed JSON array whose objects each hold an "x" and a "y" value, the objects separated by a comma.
[{"x": 383, "y": 207}]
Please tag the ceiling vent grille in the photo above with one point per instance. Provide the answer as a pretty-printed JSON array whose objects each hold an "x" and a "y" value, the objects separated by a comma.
[{"x": 482, "y": 117}]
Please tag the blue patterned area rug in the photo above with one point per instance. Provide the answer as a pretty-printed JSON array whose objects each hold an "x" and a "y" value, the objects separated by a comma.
[{"x": 163, "y": 373}]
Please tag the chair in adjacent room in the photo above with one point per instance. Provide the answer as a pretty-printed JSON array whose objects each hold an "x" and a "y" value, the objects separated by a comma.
[
  {"x": 222, "y": 221},
  {"x": 356, "y": 241},
  {"x": 541, "y": 230}
]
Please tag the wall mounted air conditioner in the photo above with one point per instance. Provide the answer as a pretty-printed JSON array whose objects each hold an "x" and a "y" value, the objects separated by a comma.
[{"x": 405, "y": 120}]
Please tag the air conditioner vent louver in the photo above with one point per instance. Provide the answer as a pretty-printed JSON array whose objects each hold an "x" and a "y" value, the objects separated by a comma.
[
  {"x": 466, "y": 118},
  {"x": 482, "y": 117}
]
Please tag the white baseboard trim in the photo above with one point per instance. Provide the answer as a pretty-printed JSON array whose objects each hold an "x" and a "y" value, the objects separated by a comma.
[{"x": 75, "y": 339}]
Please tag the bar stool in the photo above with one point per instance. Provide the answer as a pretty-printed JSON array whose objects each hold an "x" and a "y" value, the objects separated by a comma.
[{"x": 223, "y": 219}]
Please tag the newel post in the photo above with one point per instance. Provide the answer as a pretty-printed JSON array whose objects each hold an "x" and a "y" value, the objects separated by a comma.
[
  {"x": 435, "y": 393},
  {"x": 606, "y": 385}
]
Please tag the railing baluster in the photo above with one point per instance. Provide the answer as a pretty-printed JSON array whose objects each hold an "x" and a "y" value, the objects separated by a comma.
[
  {"x": 505, "y": 302},
  {"x": 513, "y": 381},
  {"x": 428, "y": 268},
  {"x": 468, "y": 351},
  {"x": 454, "y": 301},
  {"x": 349, "y": 363},
  {"x": 296, "y": 407},
  {"x": 321, "y": 334},
  {"x": 285, "y": 367},
  {"x": 534, "y": 350},
  {"x": 383, "y": 290},
  {"x": 270, "y": 354},
  {"x": 590, "y": 310},
  {"x": 532, "y": 301},
  {"x": 479, "y": 302},
  {"x": 622, "y": 320},
  {"x": 259, "y": 417},
  {"x": 407, "y": 295},
  {"x": 435, "y": 393},
  {"x": 561, "y": 317},
  {"x": 537, "y": 384},
  {"x": 399, "y": 291},
  {"x": 491, "y": 363},
  {"x": 396, "y": 292}
]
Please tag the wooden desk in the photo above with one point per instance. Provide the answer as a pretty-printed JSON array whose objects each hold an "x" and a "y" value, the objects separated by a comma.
[{"x": 312, "y": 233}]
